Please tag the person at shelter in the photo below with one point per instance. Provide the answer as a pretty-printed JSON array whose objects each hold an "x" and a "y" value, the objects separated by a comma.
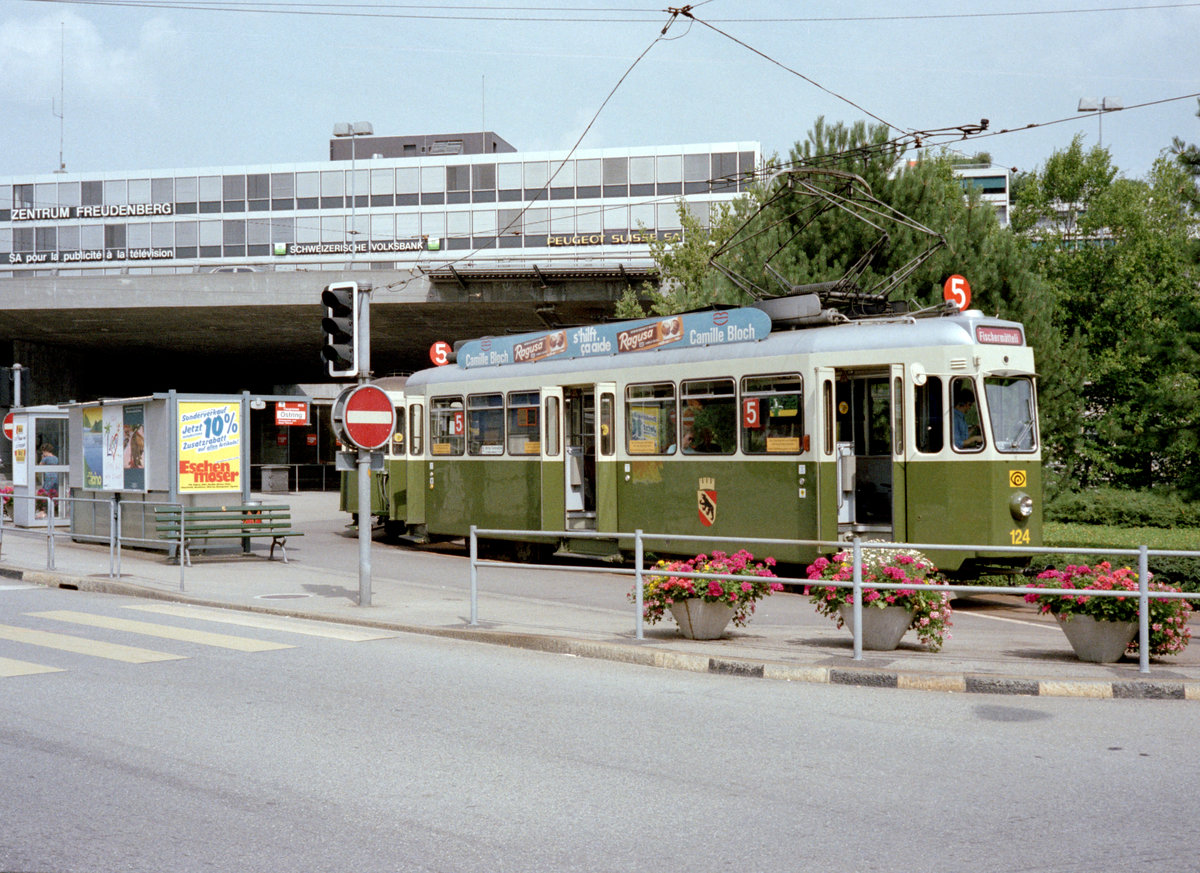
[{"x": 49, "y": 487}]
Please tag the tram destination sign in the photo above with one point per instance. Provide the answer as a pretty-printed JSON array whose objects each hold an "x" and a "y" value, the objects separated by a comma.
[{"x": 717, "y": 327}]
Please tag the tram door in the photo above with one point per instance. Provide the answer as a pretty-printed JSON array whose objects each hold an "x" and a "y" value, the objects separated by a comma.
[
  {"x": 579, "y": 437},
  {"x": 867, "y": 427}
]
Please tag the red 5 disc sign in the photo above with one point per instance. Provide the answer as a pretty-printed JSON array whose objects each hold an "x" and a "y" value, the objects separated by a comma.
[
  {"x": 369, "y": 417},
  {"x": 958, "y": 291}
]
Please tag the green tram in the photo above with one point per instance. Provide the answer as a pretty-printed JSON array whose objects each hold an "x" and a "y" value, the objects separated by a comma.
[{"x": 776, "y": 421}]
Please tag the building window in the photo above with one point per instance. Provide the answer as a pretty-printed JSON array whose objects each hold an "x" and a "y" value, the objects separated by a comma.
[
  {"x": 116, "y": 192},
  {"x": 641, "y": 177},
  {"x": 69, "y": 193},
  {"x": 162, "y": 235},
  {"x": 68, "y": 238},
  {"x": 91, "y": 237},
  {"x": 483, "y": 177},
  {"x": 162, "y": 190},
  {"x": 458, "y": 178},
  {"x": 724, "y": 171},
  {"x": 92, "y": 194},
  {"x": 509, "y": 221},
  {"x": 258, "y": 186},
  {"x": 383, "y": 227}
]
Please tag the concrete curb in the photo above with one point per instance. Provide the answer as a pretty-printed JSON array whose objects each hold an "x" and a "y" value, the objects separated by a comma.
[{"x": 645, "y": 655}]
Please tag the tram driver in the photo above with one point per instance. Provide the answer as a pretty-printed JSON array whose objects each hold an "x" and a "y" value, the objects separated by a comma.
[{"x": 966, "y": 435}]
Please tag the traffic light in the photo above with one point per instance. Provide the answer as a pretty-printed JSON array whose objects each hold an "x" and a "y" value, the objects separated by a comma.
[{"x": 347, "y": 349}]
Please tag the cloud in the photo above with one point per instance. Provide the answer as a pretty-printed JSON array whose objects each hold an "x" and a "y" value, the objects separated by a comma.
[{"x": 128, "y": 64}]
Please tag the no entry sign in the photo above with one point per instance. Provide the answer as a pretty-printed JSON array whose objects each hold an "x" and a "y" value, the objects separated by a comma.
[
  {"x": 8, "y": 426},
  {"x": 368, "y": 417}
]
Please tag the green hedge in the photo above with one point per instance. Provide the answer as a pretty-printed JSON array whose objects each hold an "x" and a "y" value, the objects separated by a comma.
[{"x": 1118, "y": 508}]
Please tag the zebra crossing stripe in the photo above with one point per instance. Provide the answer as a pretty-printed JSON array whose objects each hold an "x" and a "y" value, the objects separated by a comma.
[
  {"x": 163, "y": 631},
  {"x": 82, "y": 646},
  {"x": 12, "y": 667},
  {"x": 269, "y": 622}
]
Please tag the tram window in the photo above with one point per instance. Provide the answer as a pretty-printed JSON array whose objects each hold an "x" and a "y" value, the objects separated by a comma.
[
  {"x": 552, "y": 418},
  {"x": 827, "y": 403},
  {"x": 772, "y": 414},
  {"x": 397, "y": 444},
  {"x": 523, "y": 423},
  {"x": 878, "y": 421},
  {"x": 650, "y": 419},
  {"x": 608, "y": 405},
  {"x": 966, "y": 434},
  {"x": 898, "y": 405},
  {"x": 708, "y": 421},
  {"x": 415, "y": 429},
  {"x": 485, "y": 424},
  {"x": 446, "y": 426},
  {"x": 1011, "y": 412},
  {"x": 927, "y": 401}
]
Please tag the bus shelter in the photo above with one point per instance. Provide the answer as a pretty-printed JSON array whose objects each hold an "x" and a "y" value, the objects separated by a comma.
[
  {"x": 40, "y": 470},
  {"x": 171, "y": 448}
]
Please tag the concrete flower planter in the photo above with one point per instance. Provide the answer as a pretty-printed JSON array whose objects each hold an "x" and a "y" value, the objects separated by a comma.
[
  {"x": 882, "y": 628},
  {"x": 1100, "y": 642},
  {"x": 700, "y": 620}
]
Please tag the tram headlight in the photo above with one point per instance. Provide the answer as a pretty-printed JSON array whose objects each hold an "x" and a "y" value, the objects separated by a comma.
[{"x": 1021, "y": 506}]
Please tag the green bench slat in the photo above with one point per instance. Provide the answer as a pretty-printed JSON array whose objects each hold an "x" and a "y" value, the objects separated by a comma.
[{"x": 226, "y": 522}]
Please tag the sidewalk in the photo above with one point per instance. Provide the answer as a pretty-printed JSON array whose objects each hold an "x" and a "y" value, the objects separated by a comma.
[{"x": 999, "y": 644}]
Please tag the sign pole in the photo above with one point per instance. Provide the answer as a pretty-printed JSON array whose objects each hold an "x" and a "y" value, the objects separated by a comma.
[{"x": 364, "y": 527}]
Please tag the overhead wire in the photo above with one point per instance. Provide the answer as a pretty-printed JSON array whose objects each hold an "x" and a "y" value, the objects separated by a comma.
[
  {"x": 545, "y": 188},
  {"x": 601, "y": 15}
]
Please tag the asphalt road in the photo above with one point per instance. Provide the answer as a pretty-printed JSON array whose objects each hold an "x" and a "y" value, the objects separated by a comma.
[{"x": 411, "y": 753}]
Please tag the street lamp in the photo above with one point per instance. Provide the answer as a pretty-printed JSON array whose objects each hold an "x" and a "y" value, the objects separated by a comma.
[
  {"x": 353, "y": 129},
  {"x": 1100, "y": 105}
]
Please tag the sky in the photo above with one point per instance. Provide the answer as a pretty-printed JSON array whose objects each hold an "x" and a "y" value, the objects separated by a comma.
[{"x": 115, "y": 85}]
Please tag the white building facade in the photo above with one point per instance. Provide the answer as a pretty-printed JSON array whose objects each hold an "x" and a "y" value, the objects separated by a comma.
[{"x": 424, "y": 207}]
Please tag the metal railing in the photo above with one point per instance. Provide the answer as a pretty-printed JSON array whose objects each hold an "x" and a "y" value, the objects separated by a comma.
[
  {"x": 58, "y": 526},
  {"x": 638, "y": 571},
  {"x": 53, "y": 519}
]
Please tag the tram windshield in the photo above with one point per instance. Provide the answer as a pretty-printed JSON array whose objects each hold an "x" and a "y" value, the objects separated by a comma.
[{"x": 1012, "y": 412}]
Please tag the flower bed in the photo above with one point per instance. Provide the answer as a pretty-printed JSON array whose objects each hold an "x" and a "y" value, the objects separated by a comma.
[
  {"x": 1169, "y": 631},
  {"x": 931, "y": 609},
  {"x": 750, "y": 583}
]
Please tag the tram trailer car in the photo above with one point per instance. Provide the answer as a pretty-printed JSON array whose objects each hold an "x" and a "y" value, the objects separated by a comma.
[
  {"x": 389, "y": 489},
  {"x": 728, "y": 423}
]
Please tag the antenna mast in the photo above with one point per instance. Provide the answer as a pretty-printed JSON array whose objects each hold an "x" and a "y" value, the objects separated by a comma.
[{"x": 62, "y": 88}]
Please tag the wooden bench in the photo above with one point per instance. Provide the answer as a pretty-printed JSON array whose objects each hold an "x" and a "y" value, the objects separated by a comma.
[{"x": 225, "y": 522}]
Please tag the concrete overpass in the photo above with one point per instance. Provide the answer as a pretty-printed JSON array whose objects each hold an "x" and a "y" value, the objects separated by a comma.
[{"x": 85, "y": 337}]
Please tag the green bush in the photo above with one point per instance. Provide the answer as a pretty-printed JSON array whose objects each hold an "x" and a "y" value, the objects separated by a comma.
[
  {"x": 1181, "y": 572},
  {"x": 1120, "y": 508}
]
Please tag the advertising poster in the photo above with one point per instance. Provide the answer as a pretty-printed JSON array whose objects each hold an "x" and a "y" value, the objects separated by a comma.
[
  {"x": 93, "y": 448},
  {"x": 20, "y": 446},
  {"x": 210, "y": 446},
  {"x": 114, "y": 448},
  {"x": 113, "y": 427},
  {"x": 133, "y": 455}
]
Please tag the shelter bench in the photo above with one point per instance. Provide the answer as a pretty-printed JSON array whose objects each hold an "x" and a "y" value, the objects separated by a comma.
[{"x": 225, "y": 522}]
